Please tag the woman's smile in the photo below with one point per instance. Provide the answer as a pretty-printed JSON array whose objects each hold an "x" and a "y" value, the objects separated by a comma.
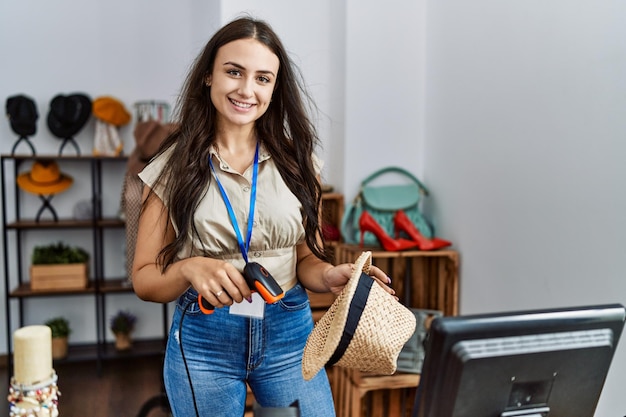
[{"x": 241, "y": 105}]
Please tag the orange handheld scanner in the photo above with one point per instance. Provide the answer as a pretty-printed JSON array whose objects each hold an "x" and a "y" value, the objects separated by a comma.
[{"x": 258, "y": 279}]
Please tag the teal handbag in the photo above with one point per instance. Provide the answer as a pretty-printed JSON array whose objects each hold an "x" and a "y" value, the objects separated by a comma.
[{"x": 382, "y": 202}]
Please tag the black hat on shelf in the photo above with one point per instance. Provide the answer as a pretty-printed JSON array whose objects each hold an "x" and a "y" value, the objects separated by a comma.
[
  {"x": 68, "y": 114},
  {"x": 22, "y": 113}
]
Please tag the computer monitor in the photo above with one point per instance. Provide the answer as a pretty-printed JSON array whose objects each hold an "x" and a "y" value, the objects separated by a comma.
[{"x": 542, "y": 363}]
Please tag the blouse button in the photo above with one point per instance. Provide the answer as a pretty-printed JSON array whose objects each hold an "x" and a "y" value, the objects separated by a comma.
[{"x": 246, "y": 188}]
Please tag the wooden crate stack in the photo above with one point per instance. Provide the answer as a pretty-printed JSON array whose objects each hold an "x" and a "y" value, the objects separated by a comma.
[{"x": 421, "y": 279}]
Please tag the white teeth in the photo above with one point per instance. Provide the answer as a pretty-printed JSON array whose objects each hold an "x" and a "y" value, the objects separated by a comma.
[{"x": 240, "y": 104}]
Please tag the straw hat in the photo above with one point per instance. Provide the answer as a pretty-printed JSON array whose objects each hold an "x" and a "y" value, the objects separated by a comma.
[
  {"x": 44, "y": 177},
  {"x": 365, "y": 328}
]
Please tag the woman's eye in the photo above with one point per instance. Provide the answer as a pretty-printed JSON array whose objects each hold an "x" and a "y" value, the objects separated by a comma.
[
  {"x": 234, "y": 72},
  {"x": 264, "y": 79}
]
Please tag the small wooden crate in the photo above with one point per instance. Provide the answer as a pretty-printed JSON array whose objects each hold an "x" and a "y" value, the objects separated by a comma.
[
  {"x": 320, "y": 303},
  {"x": 332, "y": 213},
  {"x": 421, "y": 279},
  {"x": 58, "y": 277},
  {"x": 360, "y": 394}
]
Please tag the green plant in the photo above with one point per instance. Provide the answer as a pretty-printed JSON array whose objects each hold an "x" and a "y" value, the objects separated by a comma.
[
  {"x": 58, "y": 253},
  {"x": 59, "y": 326},
  {"x": 123, "y": 322}
]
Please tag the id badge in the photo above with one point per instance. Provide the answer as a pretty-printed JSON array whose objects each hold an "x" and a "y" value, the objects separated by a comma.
[{"x": 255, "y": 309}]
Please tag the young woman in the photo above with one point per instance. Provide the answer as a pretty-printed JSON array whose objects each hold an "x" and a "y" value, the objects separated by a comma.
[{"x": 237, "y": 182}]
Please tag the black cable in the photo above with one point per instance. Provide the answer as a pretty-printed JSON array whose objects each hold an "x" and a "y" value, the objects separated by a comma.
[{"x": 182, "y": 353}]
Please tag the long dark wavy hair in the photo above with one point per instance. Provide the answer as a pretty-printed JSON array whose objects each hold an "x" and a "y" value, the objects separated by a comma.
[{"x": 285, "y": 128}]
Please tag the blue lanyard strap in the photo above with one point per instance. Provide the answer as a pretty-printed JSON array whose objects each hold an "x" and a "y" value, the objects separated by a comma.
[{"x": 244, "y": 247}]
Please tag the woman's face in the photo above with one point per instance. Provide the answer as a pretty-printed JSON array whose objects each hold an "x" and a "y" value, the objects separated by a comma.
[{"x": 242, "y": 82}]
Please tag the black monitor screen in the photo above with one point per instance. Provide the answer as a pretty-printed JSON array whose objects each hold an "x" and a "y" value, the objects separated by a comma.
[{"x": 542, "y": 363}]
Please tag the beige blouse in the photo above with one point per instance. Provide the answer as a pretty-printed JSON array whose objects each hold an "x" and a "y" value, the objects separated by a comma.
[{"x": 277, "y": 225}]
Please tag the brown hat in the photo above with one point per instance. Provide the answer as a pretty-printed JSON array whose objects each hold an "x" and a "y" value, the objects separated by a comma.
[
  {"x": 44, "y": 178},
  {"x": 365, "y": 328},
  {"x": 148, "y": 137},
  {"x": 110, "y": 110}
]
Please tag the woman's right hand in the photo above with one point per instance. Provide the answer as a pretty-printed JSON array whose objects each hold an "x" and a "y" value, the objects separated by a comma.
[{"x": 218, "y": 281}]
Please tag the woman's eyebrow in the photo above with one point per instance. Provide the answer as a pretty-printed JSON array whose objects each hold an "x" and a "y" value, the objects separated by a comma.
[{"x": 234, "y": 64}]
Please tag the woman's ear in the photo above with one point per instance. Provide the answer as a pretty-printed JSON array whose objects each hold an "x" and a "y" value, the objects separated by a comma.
[{"x": 207, "y": 80}]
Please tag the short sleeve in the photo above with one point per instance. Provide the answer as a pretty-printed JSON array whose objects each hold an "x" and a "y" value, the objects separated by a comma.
[{"x": 151, "y": 172}]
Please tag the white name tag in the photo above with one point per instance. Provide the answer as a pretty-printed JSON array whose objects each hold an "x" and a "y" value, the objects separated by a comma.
[{"x": 254, "y": 309}]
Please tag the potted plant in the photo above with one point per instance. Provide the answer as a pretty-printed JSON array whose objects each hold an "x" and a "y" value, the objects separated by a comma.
[
  {"x": 58, "y": 266},
  {"x": 60, "y": 329},
  {"x": 122, "y": 326}
]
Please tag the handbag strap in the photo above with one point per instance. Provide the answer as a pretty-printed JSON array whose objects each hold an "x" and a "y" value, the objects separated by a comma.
[{"x": 397, "y": 170}]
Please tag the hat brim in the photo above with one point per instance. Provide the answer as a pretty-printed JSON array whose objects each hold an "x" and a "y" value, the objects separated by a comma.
[{"x": 25, "y": 182}]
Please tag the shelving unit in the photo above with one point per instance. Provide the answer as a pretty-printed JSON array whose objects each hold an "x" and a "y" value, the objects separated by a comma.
[{"x": 16, "y": 283}]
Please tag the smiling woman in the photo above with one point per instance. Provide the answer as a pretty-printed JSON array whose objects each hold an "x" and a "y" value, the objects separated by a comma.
[{"x": 238, "y": 180}]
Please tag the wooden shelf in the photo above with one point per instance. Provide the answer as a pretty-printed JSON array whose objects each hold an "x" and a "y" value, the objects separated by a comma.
[
  {"x": 24, "y": 290},
  {"x": 140, "y": 348},
  {"x": 89, "y": 351},
  {"x": 115, "y": 285},
  {"x": 25, "y": 157},
  {"x": 64, "y": 224}
]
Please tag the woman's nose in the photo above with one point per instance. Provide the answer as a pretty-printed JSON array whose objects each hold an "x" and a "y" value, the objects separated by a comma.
[{"x": 246, "y": 87}]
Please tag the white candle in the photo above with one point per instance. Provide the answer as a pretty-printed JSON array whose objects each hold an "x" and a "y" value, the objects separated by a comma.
[{"x": 32, "y": 354}]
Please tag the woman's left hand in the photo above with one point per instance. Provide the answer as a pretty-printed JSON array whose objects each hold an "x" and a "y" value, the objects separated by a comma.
[{"x": 336, "y": 278}]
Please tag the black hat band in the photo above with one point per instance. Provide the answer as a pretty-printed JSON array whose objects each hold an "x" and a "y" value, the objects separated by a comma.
[{"x": 355, "y": 311}]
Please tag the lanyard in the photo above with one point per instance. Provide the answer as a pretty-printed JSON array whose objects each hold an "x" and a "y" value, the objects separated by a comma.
[{"x": 244, "y": 247}]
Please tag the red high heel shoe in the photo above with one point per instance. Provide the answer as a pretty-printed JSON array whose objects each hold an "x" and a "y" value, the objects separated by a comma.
[
  {"x": 368, "y": 224},
  {"x": 402, "y": 222}
]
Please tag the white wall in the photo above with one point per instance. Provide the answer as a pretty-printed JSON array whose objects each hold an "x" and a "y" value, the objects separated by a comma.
[
  {"x": 384, "y": 88},
  {"x": 525, "y": 150},
  {"x": 511, "y": 112}
]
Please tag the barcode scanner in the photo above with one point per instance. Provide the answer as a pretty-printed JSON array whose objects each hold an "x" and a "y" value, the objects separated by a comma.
[{"x": 258, "y": 279}]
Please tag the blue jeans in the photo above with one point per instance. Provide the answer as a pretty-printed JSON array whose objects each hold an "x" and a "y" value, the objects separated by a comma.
[{"x": 224, "y": 351}]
